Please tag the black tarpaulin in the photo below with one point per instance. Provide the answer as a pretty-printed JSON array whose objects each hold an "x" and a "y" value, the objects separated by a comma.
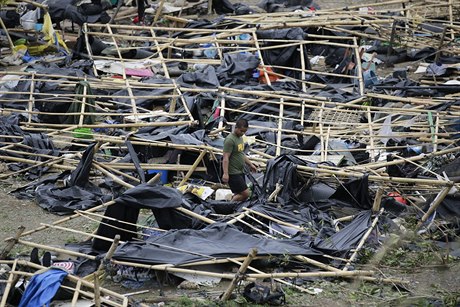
[
  {"x": 151, "y": 197},
  {"x": 237, "y": 67},
  {"x": 80, "y": 176},
  {"x": 355, "y": 192},
  {"x": 217, "y": 240},
  {"x": 160, "y": 199},
  {"x": 348, "y": 237},
  {"x": 283, "y": 170},
  {"x": 79, "y": 194}
]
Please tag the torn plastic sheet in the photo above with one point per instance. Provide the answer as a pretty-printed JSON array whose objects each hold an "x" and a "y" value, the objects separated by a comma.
[
  {"x": 347, "y": 237},
  {"x": 214, "y": 241},
  {"x": 151, "y": 197}
]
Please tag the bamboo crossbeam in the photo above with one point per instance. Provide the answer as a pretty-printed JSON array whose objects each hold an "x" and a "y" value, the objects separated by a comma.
[{"x": 171, "y": 268}]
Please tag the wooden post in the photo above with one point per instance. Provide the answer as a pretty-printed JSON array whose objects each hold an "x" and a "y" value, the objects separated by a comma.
[
  {"x": 239, "y": 275},
  {"x": 76, "y": 294},
  {"x": 441, "y": 43},
  {"x": 377, "y": 200},
  {"x": 11, "y": 243},
  {"x": 390, "y": 45},
  {"x": 97, "y": 291},
  {"x": 451, "y": 19}
]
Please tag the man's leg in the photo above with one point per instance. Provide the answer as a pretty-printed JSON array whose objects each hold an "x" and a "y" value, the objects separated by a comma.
[
  {"x": 241, "y": 196},
  {"x": 239, "y": 188}
]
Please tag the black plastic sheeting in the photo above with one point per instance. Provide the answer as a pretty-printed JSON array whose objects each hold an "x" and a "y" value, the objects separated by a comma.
[
  {"x": 348, "y": 237},
  {"x": 78, "y": 194},
  {"x": 215, "y": 241},
  {"x": 283, "y": 170},
  {"x": 37, "y": 143},
  {"x": 160, "y": 199}
]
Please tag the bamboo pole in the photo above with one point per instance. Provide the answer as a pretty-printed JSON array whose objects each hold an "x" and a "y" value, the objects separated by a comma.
[
  {"x": 11, "y": 243},
  {"x": 365, "y": 278},
  {"x": 239, "y": 275},
  {"x": 362, "y": 241},
  {"x": 281, "y": 281},
  {"x": 171, "y": 268},
  {"x": 274, "y": 219},
  {"x": 192, "y": 169},
  {"x": 57, "y": 249},
  {"x": 280, "y": 126},
  {"x": 434, "y": 204},
  {"x": 9, "y": 284},
  {"x": 76, "y": 294}
]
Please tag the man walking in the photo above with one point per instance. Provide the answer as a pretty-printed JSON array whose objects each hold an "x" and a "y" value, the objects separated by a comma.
[{"x": 234, "y": 161}]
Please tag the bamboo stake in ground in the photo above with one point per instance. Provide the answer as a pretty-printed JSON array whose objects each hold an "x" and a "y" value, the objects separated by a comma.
[
  {"x": 239, "y": 275},
  {"x": 11, "y": 243}
]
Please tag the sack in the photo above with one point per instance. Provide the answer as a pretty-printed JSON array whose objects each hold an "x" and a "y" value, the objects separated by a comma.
[{"x": 262, "y": 295}]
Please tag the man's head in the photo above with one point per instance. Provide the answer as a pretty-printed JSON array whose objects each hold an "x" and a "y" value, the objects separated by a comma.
[{"x": 241, "y": 127}]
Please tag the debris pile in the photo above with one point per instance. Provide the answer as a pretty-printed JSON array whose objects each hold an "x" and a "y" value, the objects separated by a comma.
[{"x": 123, "y": 125}]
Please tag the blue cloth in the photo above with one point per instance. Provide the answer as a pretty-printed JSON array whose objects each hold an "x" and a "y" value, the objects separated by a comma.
[{"x": 42, "y": 288}]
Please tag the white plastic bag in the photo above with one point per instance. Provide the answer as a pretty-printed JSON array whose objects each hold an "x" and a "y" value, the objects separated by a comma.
[{"x": 29, "y": 19}]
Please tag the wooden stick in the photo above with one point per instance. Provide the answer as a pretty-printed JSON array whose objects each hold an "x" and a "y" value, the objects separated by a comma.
[
  {"x": 278, "y": 188},
  {"x": 76, "y": 294},
  {"x": 239, "y": 275},
  {"x": 365, "y": 278},
  {"x": 57, "y": 249},
  {"x": 11, "y": 244}
]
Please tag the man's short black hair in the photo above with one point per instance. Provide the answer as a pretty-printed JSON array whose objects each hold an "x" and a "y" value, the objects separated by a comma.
[{"x": 242, "y": 123}]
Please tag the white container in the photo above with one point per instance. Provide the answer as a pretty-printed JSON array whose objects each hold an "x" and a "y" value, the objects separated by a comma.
[
  {"x": 224, "y": 194},
  {"x": 28, "y": 24}
]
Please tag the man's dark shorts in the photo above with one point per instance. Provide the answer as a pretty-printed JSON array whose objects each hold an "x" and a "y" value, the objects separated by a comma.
[{"x": 237, "y": 183}]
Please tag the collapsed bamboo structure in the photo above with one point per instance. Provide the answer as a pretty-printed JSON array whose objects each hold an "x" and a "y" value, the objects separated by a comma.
[{"x": 124, "y": 97}]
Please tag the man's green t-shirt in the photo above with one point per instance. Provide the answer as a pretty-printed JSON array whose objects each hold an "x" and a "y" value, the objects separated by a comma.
[{"x": 235, "y": 146}]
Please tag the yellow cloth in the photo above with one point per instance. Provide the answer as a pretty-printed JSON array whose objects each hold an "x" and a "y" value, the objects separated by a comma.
[{"x": 50, "y": 34}]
